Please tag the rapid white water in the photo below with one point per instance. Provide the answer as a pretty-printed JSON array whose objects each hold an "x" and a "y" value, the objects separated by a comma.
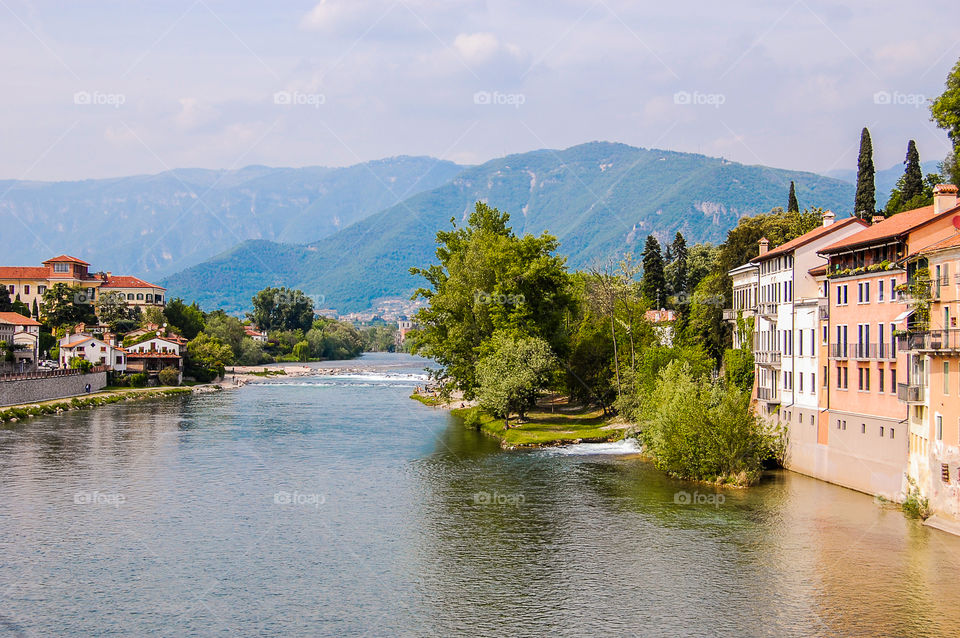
[{"x": 624, "y": 446}]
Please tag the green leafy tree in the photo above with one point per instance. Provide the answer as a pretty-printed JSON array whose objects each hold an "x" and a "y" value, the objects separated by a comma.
[
  {"x": 5, "y": 303},
  {"x": 61, "y": 306},
  {"x": 793, "y": 206},
  {"x": 188, "y": 319},
  {"x": 227, "y": 329},
  {"x": 112, "y": 308},
  {"x": 282, "y": 309},
  {"x": 252, "y": 353},
  {"x": 653, "y": 284},
  {"x": 513, "y": 373},
  {"x": 945, "y": 111},
  {"x": 169, "y": 376},
  {"x": 208, "y": 355},
  {"x": 488, "y": 279},
  {"x": 301, "y": 351},
  {"x": 334, "y": 340},
  {"x": 865, "y": 204}
]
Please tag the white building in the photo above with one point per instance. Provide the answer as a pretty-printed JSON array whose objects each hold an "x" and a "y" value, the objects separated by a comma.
[
  {"x": 96, "y": 351},
  {"x": 24, "y": 334},
  {"x": 746, "y": 283},
  {"x": 786, "y": 345}
]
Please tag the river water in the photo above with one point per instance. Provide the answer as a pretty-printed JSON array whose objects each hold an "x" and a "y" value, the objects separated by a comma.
[{"x": 336, "y": 506}]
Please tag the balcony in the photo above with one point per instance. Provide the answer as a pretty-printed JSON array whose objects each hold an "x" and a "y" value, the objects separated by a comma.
[
  {"x": 887, "y": 350},
  {"x": 911, "y": 393},
  {"x": 863, "y": 351},
  {"x": 838, "y": 351},
  {"x": 767, "y": 309},
  {"x": 930, "y": 341},
  {"x": 729, "y": 314},
  {"x": 768, "y": 394},
  {"x": 767, "y": 358}
]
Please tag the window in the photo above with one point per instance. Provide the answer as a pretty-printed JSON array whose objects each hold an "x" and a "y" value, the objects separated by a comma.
[
  {"x": 41, "y": 290},
  {"x": 844, "y": 425},
  {"x": 893, "y": 380},
  {"x": 838, "y": 424},
  {"x": 880, "y": 384},
  {"x": 149, "y": 298},
  {"x": 813, "y": 383},
  {"x": 839, "y": 378},
  {"x": 800, "y": 343},
  {"x": 881, "y": 431},
  {"x": 26, "y": 289},
  {"x": 863, "y": 428},
  {"x": 880, "y": 290},
  {"x": 801, "y": 382},
  {"x": 825, "y": 335},
  {"x": 866, "y": 292},
  {"x": 825, "y": 376},
  {"x": 61, "y": 267},
  {"x": 939, "y": 425},
  {"x": 130, "y": 296},
  {"x": 846, "y": 378},
  {"x": 893, "y": 287},
  {"x": 844, "y": 294},
  {"x": 811, "y": 419},
  {"x": 891, "y": 432},
  {"x": 139, "y": 296}
]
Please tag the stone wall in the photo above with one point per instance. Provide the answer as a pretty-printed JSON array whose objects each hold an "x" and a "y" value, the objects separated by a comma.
[{"x": 34, "y": 390}]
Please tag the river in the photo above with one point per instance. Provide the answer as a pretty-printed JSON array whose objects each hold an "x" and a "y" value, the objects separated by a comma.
[{"x": 336, "y": 506}]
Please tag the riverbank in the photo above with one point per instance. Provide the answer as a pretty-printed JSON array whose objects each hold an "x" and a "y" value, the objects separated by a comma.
[
  {"x": 551, "y": 423},
  {"x": 22, "y": 411}
]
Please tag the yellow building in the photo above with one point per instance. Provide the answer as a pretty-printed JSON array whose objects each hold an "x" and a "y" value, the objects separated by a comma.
[{"x": 30, "y": 282}]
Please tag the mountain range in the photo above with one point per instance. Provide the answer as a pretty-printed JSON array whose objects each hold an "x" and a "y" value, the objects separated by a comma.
[
  {"x": 156, "y": 225},
  {"x": 600, "y": 199}
]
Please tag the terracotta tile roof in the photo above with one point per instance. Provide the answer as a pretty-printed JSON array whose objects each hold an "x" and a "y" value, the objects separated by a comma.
[
  {"x": 24, "y": 272},
  {"x": 74, "y": 344},
  {"x": 949, "y": 242},
  {"x": 16, "y": 319},
  {"x": 808, "y": 237},
  {"x": 819, "y": 270},
  {"x": 67, "y": 258},
  {"x": 890, "y": 228},
  {"x": 129, "y": 282},
  {"x": 133, "y": 354}
]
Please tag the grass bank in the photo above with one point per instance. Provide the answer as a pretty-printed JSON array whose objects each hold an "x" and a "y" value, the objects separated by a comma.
[
  {"x": 552, "y": 422},
  {"x": 106, "y": 397}
]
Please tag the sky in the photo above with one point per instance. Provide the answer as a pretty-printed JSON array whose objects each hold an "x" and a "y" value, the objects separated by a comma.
[{"x": 105, "y": 89}]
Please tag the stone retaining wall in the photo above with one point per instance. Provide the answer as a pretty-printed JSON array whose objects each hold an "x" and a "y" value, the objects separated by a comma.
[{"x": 34, "y": 390}]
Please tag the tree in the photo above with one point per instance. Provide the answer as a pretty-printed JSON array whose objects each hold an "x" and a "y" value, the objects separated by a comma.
[
  {"x": 865, "y": 204},
  {"x": 208, "y": 355},
  {"x": 301, "y": 351},
  {"x": 945, "y": 111},
  {"x": 62, "y": 306},
  {"x": 913, "y": 175},
  {"x": 5, "y": 304},
  {"x": 282, "y": 309},
  {"x": 677, "y": 273},
  {"x": 793, "y": 206},
  {"x": 653, "y": 283},
  {"x": 227, "y": 329},
  {"x": 488, "y": 279},
  {"x": 169, "y": 376},
  {"x": 188, "y": 320},
  {"x": 512, "y": 374},
  {"x": 112, "y": 308}
]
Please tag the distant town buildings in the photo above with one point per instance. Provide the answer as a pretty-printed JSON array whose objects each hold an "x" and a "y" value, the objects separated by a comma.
[{"x": 24, "y": 334}]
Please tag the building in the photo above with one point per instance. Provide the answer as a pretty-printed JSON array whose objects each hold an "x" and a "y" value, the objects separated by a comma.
[
  {"x": 255, "y": 334},
  {"x": 29, "y": 283},
  {"x": 786, "y": 320},
  {"x": 662, "y": 321},
  {"x": 746, "y": 283},
  {"x": 24, "y": 334},
  {"x": 404, "y": 325},
  {"x": 875, "y": 388},
  {"x": 152, "y": 355},
  {"x": 90, "y": 348}
]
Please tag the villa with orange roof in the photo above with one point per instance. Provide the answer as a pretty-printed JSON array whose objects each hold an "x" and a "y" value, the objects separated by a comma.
[{"x": 29, "y": 283}]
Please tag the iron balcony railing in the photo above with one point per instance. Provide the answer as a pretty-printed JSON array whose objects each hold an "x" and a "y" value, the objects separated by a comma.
[
  {"x": 911, "y": 393},
  {"x": 767, "y": 357},
  {"x": 887, "y": 350},
  {"x": 931, "y": 340},
  {"x": 767, "y": 309},
  {"x": 864, "y": 351},
  {"x": 767, "y": 394},
  {"x": 839, "y": 350}
]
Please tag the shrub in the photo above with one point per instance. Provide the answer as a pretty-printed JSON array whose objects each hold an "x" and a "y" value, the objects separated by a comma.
[
  {"x": 76, "y": 363},
  {"x": 915, "y": 505},
  {"x": 169, "y": 376},
  {"x": 138, "y": 380},
  {"x": 301, "y": 351}
]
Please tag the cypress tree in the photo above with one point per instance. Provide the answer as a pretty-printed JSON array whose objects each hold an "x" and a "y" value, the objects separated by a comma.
[
  {"x": 5, "y": 304},
  {"x": 913, "y": 176},
  {"x": 653, "y": 283},
  {"x": 865, "y": 204},
  {"x": 679, "y": 271},
  {"x": 36, "y": 310},
  {"x": 793, "y": 206}
]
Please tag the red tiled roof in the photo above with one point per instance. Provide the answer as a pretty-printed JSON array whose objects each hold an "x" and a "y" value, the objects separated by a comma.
[
  {"x": 74, "y": 344},
  {"x": 129, "y": 282},
  {"x": 24, "y": 272},
  {"x": 808, "y": 237},
  {"x": 17, "y": 319},
  {"x": 133, "y": 354},
  {"x": 890, "y": 228},
  {"x": 67, "y": 258},
  {"x": 819, "y": 270},
  {"x": 949, "y": 242}
]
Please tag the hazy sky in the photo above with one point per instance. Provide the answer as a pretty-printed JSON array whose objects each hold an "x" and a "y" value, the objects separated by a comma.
[{"x": 95, "y": 89}]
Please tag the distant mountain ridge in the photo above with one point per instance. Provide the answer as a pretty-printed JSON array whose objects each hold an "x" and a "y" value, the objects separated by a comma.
[
  {"x": 154, "y": 225},
  {"x": 600, "y": 199}
]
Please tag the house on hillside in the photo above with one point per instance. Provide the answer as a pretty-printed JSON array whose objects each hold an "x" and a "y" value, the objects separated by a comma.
[
  {"x": 255, "y": 334},
  {"x": 152, "y": 355},
  {"x": 89, "y": 348},
  {"x": 662, "y": 321},
  {"x": 24, "y": 334}
]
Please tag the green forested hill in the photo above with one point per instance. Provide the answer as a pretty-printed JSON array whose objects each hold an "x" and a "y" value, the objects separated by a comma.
[{"x": 600, "y": 199}]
